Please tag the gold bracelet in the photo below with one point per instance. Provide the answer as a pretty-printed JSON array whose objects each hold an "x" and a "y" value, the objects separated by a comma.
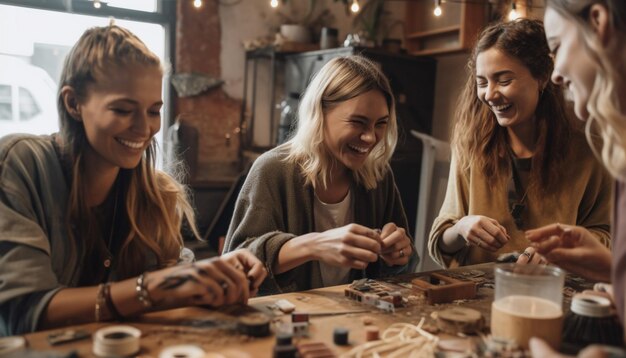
[
  {"x": 100, "y": 302},
  {"x": 142, "y": 292}
]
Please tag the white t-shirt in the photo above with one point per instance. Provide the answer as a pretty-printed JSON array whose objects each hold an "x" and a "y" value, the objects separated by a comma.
[{"x": 331, "y": 216}]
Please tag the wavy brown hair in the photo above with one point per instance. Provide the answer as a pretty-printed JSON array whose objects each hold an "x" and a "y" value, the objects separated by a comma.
[
  {"x": 154, "y": 205},
  {"x": 480, "y": 142}
]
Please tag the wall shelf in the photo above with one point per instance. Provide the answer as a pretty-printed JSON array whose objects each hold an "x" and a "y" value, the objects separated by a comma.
[{"x": 452, "y": 32}]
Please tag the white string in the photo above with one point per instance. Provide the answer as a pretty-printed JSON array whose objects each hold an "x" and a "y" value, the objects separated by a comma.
[{"x": 397, "y": 341}]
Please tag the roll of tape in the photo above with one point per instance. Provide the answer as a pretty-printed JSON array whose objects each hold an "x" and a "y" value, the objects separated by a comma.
[
  {"x": 11, "y": 344},
  {"x": 182, "y": 351},
  {"x": 116, "y": 341}
]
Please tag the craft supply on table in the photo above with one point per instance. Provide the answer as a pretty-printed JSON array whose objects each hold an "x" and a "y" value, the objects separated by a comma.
[
  {"x": 440, "y": 288},
  {"x": 285, "y": 306},
  {"x": 182, "y": 351},
  {"x": 314, "y": 350},
  {"x": 591, "y": 320},
  {"x": 340, "y": 336},
  {"x": 116, "y": 341},
  {"x": 254, "y": 325},
  {"x": 457, "y": 320}
]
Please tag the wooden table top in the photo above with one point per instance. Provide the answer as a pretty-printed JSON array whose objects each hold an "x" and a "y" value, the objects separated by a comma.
[{"x": 215, "y": 330}]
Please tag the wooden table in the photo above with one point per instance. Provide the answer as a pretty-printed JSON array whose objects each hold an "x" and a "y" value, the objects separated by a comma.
[{"x": 214, "y": 330}]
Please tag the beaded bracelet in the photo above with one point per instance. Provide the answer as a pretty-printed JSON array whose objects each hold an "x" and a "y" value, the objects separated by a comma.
[{"x": 142, "y": 292}]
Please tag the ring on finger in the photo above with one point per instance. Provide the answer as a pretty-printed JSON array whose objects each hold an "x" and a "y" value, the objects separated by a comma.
[
  {"x": 224, "y": 286},
  {"x": 401, "y": 252},
  {"x": 527, "y": 254},
  {"x": 479, "y": 243}
]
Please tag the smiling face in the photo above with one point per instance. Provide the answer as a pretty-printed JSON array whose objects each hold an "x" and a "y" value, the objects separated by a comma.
[
  {"x": 121, "y": 114},
  {"x": 507, "y": 87},
  {"x": 354, "y": 127},
  {"x": 573, "y": 67}
]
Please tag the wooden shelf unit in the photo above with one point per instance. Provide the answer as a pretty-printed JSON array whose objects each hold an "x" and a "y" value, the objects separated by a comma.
[{"x": 454, "y": 31}]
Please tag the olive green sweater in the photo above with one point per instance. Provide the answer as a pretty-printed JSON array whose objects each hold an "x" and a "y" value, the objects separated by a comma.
[
  {"x": 275, "y": 205},
  {"x": 583, "y": 197}
]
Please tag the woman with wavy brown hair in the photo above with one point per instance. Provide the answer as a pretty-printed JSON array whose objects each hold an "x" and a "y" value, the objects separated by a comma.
[
  {"x": 89, "y": 229},
  {"x": 518, "y": 160}
]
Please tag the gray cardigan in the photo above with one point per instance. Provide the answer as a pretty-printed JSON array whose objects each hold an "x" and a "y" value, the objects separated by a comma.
[
  {"x": 35, "y": 258},
  {"x": 275, "y": 205}
]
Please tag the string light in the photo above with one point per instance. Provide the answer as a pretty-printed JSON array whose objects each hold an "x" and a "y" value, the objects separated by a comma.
[
  {"x": 197, "y": 3},
  {"x": 355, "y": 7},
  {"x": 96, "y": 4},
  {"x": 513, "y": 15},
  {"x": 437, "y": 10},
  {"x": 274, "y": 3}
]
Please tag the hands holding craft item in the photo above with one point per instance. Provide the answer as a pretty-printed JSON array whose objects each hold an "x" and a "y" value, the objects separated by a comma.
[
  {"x": 231, "y": 278},
  {"x": 356, "y": 246},
  {"x": 483, "y": 232}
]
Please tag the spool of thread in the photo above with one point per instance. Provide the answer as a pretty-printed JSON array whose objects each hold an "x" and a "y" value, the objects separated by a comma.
[
  {"x": 283, "y": 339},
  {"x": 11, "y": 344},
  {"x": 372, "y": 333},
  {"x": 340, "y": 336},
  {"x": 182, "y": 351},
  {"x": 591, "y": 320},
  {"x": 254, "y": 325},
  {"x": 116, "y": 341}
]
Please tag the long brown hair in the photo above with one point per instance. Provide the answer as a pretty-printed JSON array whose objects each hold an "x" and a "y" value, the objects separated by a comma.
[
  {"x": 154, "y": 204},
  {"x": 479, "y": 141}
]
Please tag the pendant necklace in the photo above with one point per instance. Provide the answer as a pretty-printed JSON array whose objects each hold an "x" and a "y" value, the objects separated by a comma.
[{"x": 109, "y": 257}]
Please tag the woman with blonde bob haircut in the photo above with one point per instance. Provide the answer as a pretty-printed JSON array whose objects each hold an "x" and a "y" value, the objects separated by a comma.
[
  {"x": 323, "y": 208},
  {"x": 89, "y": 229}
]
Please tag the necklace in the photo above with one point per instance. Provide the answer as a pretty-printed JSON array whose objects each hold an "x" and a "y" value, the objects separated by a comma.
[{"x": 109, "y": 258}]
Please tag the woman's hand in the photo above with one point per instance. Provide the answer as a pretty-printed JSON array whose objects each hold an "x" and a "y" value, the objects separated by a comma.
[
  {"x": 252, "y": 267},
  {"x": 216, "y": 281},
  {"x": 353, "y": 246},
  {"x": 483, "y": 232},
  {"x": 396, "y": 245},
  {"x": 573, "y": 248},
  {"x": 540, "y": 349},
  {"x": 530, "y": 256}
]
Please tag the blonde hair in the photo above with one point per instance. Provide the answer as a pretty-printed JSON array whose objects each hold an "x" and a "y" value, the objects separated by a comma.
[
  {"x": 478, "y": 140},
  {"x": 341, "y": 79},
  {"x": 605, "y": 109},
  {"x": 155, "y": 204}
]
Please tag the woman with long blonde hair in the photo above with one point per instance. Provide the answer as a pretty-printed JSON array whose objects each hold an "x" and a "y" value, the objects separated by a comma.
[
  {"x": 89, "y": 229},
  {"x": 323, "y": 208},
  {"x": 518, "y": 160},
  {"x": 587, "y": 39}
]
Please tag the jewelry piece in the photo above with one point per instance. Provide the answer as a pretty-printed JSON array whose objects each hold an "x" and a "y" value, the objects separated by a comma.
[
  {"x": 142, "y": 292},
  {"x": 401, "y": 252},
  {"x": 479, "y": 243},
  {"x": 100, "y": 302},
  {"x": 527, "y": 254},
  {"x": 224, "y": 286},
  {"x": 114, "y": 313}
]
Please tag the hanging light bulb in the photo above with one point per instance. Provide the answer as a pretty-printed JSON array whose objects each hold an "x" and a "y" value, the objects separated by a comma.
[
  {"x": 96, "y": 4},
  {"x": 355, "y": 7},
  {"x": 274, "y": 3},
  {"x": 513, "y": 15},
  {"x": 437, "y": 10},
  {"x": 197, "y": 3}
]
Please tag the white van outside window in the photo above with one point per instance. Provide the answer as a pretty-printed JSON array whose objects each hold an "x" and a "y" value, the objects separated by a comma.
[{"x": 27, "y": 98}]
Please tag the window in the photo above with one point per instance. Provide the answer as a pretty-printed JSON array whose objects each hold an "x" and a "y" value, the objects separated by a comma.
[
  {"x": 40, "y": 51},
  {"x": 28, "y": 105},
  {"x": 6, "y": 111}
]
